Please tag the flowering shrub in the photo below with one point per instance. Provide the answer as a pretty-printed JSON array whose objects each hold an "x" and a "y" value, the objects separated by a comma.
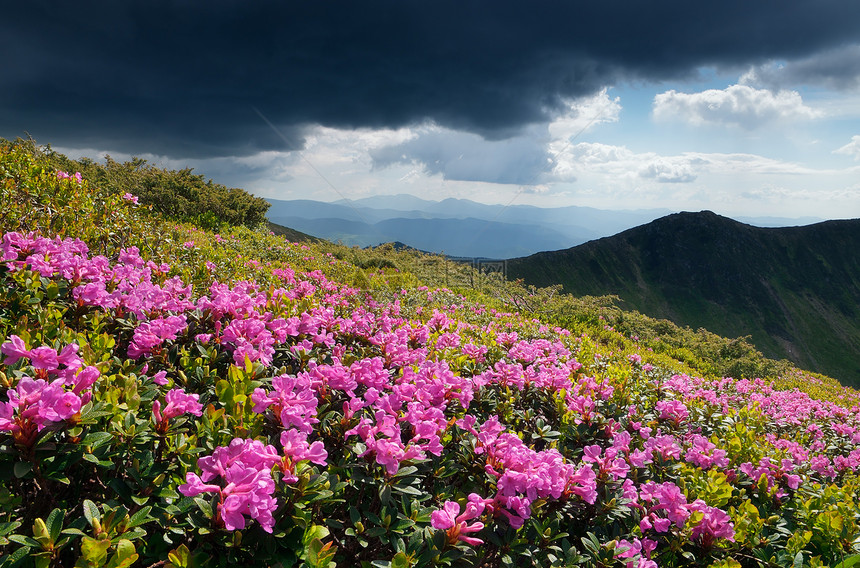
[{"x": 174, "y": 414}]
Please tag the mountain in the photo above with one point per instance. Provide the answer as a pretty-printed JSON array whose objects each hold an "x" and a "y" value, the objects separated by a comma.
[
  {"x": 794, "y": 290},
  {"x": 458, "y": 227},
  {"x": 455, "y": 237},
  {"x": 291, "y": 234}
]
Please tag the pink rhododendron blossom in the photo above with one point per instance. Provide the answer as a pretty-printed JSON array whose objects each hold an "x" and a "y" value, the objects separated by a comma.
[
  {"x": 65, "y": 175},
  {"x": 291, "y": 399},
  {"x": 160, "y": 378},
  {"x": 14, "y": 350},
  {"x": 454, "y": 523},
  {"x": 178, "y": 403},
  {"x": 39, "y": 402},
  {"x": 44, "y": 358},
  {"x": 152, "y": 334},
  {"x": 296, "y": 449},
  {"x": 673, "y": 410},
  {"x": 249, "y": 338},
  {"x": 715, "y": 524},
  {"x": 245, "y": 470}
]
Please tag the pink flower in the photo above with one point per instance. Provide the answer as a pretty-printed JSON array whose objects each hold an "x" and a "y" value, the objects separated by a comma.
[
  {"x": 715, "y": 524},
  {"x": 44, "y": 358},
  {"x": 194, "y": 486},
  {"x": 450, "y": 520},
  {"x": 14, "y": 350},
  {"x": 292, "y": 400},
  {"x": 38, "y": 402},
  {"x": 245, "y": 469},
  {"x": 673, "y": 410},
  {"x": 296, "y": 449},
  {"x": 152, "y": 334},
  {"x": 65, "y": 175},
  {"x": 130, "y": 197},
  {"x": 178, "y": 403}
]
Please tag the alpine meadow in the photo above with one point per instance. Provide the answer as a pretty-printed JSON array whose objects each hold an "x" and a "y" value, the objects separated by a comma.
[{"x": 180, "y": 386}]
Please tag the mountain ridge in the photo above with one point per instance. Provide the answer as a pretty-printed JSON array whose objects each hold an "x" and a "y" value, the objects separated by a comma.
[
  {"x": 537, "y": 228},
  {"x": 794, "y": 290}
]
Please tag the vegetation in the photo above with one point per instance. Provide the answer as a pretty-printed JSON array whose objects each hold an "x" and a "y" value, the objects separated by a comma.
[
  {"x": 176, "y": 194},
  {"x": 171, "y": 396}
]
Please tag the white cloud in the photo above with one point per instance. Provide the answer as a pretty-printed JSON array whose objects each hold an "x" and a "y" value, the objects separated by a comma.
[
  {"x": 457, "y": 155},
  {"x": 666, "y": 171},
  {"x": 583, "y": 114},
  {"x": 851, "y": 149},
  {"x": 593, "y": 158},
  {"x": 736, "y": 105}
]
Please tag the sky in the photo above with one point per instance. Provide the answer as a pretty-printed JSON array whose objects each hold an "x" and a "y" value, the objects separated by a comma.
[{"x": 742, "y": 107}]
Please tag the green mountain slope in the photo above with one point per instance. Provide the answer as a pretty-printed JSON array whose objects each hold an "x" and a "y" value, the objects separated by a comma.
[{"x": 794, "y": 290}]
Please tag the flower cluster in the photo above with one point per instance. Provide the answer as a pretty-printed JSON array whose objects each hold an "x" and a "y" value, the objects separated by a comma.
[
  {"x": 525, "y": 421},
  {"x": 59, "y": 389},
  {"x": 244, "y": 469}
]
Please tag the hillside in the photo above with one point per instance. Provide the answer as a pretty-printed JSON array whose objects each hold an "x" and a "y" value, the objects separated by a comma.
[
  {"x": 178, "y": 397},
  {"x": 794, "y": 290}
]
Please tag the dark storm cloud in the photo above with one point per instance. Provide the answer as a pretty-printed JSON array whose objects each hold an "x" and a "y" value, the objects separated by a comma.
[
  {"x": 184, "y": 78},
  {"x": 835, "y": 68},
  {"x": 466, "y": 157}
]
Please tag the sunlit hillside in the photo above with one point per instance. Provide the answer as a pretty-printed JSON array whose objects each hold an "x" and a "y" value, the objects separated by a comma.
[{"x": 181, "y": 387}]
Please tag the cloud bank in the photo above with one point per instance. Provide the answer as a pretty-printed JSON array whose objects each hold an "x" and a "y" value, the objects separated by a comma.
[
  {"x": 737, "y": 105},
  {"x": 179, "y": 80}
]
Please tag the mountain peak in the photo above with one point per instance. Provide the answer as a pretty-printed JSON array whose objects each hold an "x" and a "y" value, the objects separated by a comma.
[{"x": 795, "y": 290}]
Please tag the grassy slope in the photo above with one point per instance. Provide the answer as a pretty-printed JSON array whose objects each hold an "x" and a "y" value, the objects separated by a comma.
[{"x": 245, "y": 254}]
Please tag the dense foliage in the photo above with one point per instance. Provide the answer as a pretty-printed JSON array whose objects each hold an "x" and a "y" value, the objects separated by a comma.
[
  {"x": 175, "y": 397},
  {"x": 176, "y": 194}
]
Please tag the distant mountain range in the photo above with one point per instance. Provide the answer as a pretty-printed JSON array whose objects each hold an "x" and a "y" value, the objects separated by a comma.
[
  {"x": 464, "y": 228},
  {"x": 794, "y": 290}
]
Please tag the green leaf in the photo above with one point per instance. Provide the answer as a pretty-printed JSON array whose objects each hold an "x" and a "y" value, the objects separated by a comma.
[
  {"x": 319, "y": 555},
  {"x": 91, "y": 512},
  {"x": 55, "y": 523},
  {"x": 140, "y": 518},
  {"x": 400, "y": 560},
  {"x": 404, "y": 471},
  {"x": 354, "y": 515},
  {"x": 124, "y": 556},
  {"x": 385, "y": 494},
  {"x": 205, "y": 506},
  {"x": 101, "y": 463},
  {"x": 94, "y": 551},
  {"x": 849, "y": 562},
  {"x": 22, "y": 468},
  {"x": 96, "y": 439},
  {"x": 798, "y": 560},
  {"x": 19, "y": 555},
  {"x": 314, "y": 532},
  {"x": 25, "y": 541},
  {"x": 179, "y": 556},
  {"x": 42, "y": 560}
]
